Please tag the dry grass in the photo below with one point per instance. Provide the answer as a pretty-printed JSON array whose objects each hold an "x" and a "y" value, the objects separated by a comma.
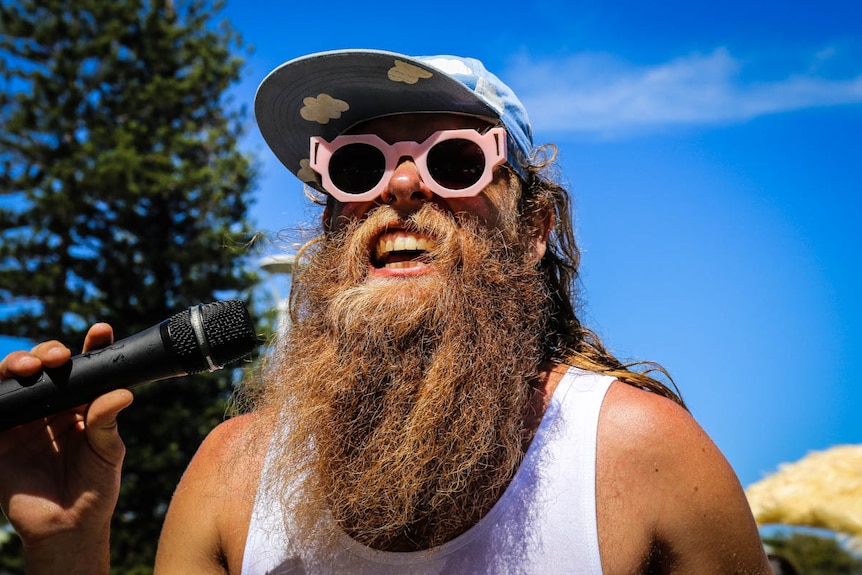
[{"x": 823, "y": 489}]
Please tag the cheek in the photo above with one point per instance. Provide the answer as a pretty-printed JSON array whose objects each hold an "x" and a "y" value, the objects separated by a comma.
[
  {"x": 494, "y": 208},
  {"x": 480, "y": 207},
  {"x": 340, "y": 215}
]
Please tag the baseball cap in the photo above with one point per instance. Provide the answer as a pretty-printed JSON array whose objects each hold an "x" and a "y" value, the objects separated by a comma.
[{"x": 326, "y": 93}]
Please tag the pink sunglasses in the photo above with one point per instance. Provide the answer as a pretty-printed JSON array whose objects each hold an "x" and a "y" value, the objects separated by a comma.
[{"x": 452, "y": 163}]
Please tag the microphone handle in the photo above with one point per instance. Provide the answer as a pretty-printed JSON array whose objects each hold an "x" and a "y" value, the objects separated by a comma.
[{"x": 141, "y": 358}]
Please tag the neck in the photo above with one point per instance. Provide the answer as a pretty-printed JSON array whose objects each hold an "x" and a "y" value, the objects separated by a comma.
[{"x": 542, "y": 390}]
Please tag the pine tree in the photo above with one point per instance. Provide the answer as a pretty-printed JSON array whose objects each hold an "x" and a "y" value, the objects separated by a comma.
[{"x": 123, "y": 198}]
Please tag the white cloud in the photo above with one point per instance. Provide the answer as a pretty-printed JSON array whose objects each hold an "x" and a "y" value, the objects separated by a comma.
[{"x": 598, "y": 94}]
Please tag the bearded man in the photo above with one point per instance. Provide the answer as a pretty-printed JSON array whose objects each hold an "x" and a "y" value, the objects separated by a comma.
[{"x": 436, "y": 407}]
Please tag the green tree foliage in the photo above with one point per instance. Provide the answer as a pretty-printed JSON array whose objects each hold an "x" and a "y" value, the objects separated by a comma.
[
  {"x": 123, "y": 198},
  {"x": 812, "y": 553}
]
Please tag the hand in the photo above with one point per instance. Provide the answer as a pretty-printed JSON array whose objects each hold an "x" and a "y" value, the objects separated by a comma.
[{"x": 60, "y": 476}]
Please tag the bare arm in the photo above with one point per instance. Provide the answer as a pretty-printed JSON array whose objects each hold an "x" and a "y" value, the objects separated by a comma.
[
  {"x": 668, "y": 499},
  {"x": 207, "y": 522},
  {"x": 60, "y": 477}
]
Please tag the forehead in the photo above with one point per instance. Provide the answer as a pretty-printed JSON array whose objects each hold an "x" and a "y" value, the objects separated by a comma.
[{"x": 416, "y": 127}]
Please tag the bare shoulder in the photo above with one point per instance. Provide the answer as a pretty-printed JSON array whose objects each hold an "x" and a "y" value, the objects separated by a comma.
[
  {"x": 228, "y": 455},
  {"x": 666, "y": 496},
  {"x": 206, "y": 524},
  {"x": 240, "y": 436}
]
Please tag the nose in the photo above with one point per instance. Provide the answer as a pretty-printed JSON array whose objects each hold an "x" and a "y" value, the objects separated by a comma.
[{"x": 405, "y": 188}]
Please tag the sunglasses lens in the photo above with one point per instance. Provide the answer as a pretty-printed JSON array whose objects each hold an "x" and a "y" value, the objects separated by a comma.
[
  {"x": 456, "y": 164},
  {"x": 356, "y": 168}
]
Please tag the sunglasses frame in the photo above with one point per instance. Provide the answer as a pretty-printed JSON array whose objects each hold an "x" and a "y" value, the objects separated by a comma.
[{"x": 492, "y": 143}]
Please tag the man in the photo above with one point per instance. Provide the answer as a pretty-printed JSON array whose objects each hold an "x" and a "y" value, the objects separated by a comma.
[{"x": 437, "y": 407}]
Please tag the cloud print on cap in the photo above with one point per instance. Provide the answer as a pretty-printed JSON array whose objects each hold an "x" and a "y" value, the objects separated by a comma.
[
  {"x": 323, "y": 108},
  {"x": 407, "y": 73}
]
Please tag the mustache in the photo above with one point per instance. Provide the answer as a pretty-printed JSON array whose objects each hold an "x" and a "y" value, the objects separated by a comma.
[{"x": 357, "y": 240}]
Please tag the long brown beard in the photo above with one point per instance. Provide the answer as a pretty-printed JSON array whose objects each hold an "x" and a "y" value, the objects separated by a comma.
[{"x": 412, "y": 392}]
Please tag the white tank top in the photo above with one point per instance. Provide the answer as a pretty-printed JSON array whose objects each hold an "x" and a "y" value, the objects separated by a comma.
[{"x": 543, "y": 524}]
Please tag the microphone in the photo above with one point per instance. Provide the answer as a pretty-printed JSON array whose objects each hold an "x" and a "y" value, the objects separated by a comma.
[{"x": 203, "y": 337}]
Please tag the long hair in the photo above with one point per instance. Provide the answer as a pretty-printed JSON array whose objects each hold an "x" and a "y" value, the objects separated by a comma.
[{"x": 568, "y": 340}]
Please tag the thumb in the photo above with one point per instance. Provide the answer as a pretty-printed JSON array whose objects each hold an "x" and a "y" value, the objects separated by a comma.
[{"x": 102, "y": 431}]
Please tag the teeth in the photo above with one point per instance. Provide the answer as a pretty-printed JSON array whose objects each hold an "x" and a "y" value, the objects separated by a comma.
[
  {"x": 401, "y": 265},
  {"x": 402, "y": 241}
]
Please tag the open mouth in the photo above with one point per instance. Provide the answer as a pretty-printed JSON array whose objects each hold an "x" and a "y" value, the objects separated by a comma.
[{"x": 401, "y": 249}]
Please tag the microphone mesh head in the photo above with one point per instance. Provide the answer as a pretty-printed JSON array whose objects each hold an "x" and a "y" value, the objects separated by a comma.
[{"x": 229, "y": 331}]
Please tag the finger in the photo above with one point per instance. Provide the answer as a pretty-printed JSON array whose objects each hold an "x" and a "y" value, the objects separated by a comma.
[
  {"x": 101, "y": 425},
  {"x": 19, "y": 364},
  {"x": 24, "y": 364},
  {"x": 98, "y": 336},
  {"x": 30, "y": 436},
  {"x": 51, "y": 353}
]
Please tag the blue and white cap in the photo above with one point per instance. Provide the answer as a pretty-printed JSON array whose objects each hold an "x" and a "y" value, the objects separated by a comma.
[{"x": 327, "y": 93}]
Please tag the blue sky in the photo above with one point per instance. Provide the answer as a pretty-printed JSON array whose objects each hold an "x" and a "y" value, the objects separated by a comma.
[{"x": 713, "y": 152}]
